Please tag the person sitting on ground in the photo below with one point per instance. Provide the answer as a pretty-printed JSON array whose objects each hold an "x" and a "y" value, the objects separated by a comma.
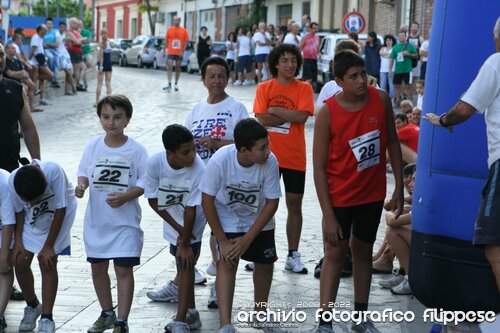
[{"x": 408, "y": 137}]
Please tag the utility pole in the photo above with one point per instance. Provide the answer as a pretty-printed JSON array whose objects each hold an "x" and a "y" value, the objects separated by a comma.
[{"x": 80, "y": 12}]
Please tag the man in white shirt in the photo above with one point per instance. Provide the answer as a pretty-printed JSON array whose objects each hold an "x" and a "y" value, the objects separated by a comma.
[
  {"x": 293, "y": 36},
  {"x": 262, "y": 40}
]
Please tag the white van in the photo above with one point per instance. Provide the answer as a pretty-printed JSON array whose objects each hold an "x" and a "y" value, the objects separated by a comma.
[{"x": 327, "y": 51}]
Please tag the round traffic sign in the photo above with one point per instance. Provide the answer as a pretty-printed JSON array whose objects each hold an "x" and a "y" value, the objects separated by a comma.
[{"x": 354, "y": 22}]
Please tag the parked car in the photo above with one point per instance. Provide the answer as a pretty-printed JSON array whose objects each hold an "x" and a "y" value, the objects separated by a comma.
[
  {"x": 218, "y": 49},
  {"x": 119, "y": 46},
  {"x": 142, "y": 51},
  {"x": 161, "y": 59},
  {"x": 327, "y": 51}
]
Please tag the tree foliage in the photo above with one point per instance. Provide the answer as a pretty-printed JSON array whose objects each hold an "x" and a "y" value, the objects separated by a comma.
[{"x": 67, "y": 8}]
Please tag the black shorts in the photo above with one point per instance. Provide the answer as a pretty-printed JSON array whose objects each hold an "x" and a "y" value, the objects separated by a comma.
[
  {"x": 294, "y": 180},
  {"x": 76, "y": 57},
  {"x": 310, "y": 70},
  {"x": 196, "y": 247},
  {"x": 364, "y": 220},
  {"x": 230, "y": 63},
  {"x": 261, "y": 251},
  {"x": 120, "y": 262},
  {"x": 487, "y": 228},
  {"x": 106, "y": 60},
  {"x": 399, "y": 78},
  {"x": 423, "y": 70},
  {"x": 174, "y": 57}
]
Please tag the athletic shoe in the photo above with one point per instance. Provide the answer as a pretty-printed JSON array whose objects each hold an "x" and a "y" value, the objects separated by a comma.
[
  {"x": 317, "y": 269},
  {"x": 55, "y": 84},
  {"x": 46, "y": 326},
  {"x": 324, "y": 329},
  {"x": 212, "y": 300},
  {"x": 198, "y": 277},
  {"x": 212, "y": 269},
  {"x": 168, "y": 88},
  {"x": 43, "y": 102},
  {"x": 237, "y": 83},
  {"x": 166, "y": 294},
  {"x": 176, "y": 88},
  {"x": 16, "y": 294},
  {"x": 103, "y": 323},
  {"x": 193, "y": 322},
  {"x": 28, "y": 323},
  {"x": 79, "y": 87},
  {"x": 227, "y": 329},
  {"x": 365, "y": 327},
  {"x": 403, "y": 288},
  {"x": 38, "y": 92},
  {"x": 250, "y": 266},
  {"x": 177, "y": 327},
  {"x": 3, "y": 324},
  {"x": 121, "y": 328},
  {"x": 295, "y": 264},
  {"x": 392, "y": 281}
]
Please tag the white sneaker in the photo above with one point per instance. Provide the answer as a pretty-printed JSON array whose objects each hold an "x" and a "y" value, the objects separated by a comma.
[
  {"x": 403, "y": 288},
  {"x": 227, "y": 329},
  {"x": 392, "y": 281},
  {"x": 237, "y": 83},
  {"x": 46, "y": 326},
  {"x": 295, "y": 264},
  {"x": 212, "y": 269},
  {"x": 166, "y": 294},
  {"x": 198, "y": 277},
  {"x": 177, "y": 327},
  {"x": 168, "y": 88},
  {"x": 176, "y": 88},
  {"x": 246, "y": 83},
  {"x": 28, "y": 323},
  {"x": 212, "y": 300},
  {"x": 192, "y": 321}
]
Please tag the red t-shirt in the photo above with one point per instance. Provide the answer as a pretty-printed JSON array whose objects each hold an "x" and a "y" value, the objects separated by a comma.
[
  {"x": 356, "y": 161},
  {"x": 74, "y": 47},
  {"x": 409, "y": 136},
  {"x": 287, "y": 141}
]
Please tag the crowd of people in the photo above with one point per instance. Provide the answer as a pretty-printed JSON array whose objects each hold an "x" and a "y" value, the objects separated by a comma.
[{"x": 224, "y": 169}]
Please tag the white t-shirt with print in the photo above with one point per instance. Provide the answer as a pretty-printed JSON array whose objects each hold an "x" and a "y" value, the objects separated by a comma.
[
  {"x": 484, "y": 96},
  {"x": 244, "y": 47},
  {"x": 215, "y": 120},
  {"x": 260, "y": 37},
  {"x": 39, "y": 216},
  {"x": 175, "y": 190},
  {"x": 7, "y": 213},
  {"x": 113, "y": 232},
  {"x": 240, "y": 192}
]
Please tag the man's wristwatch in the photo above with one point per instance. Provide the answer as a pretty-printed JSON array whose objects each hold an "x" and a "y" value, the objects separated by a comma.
[{"x": 441, "y": 122}]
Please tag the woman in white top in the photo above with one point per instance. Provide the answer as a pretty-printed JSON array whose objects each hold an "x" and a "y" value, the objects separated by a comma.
[
  {"x": 243, "y": 47},
  {"x": 386, "y": 82},
  {"x": 230, "y": 56}
]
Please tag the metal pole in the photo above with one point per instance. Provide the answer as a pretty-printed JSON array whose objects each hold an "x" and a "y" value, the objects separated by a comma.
[
  {"x": 46, "y": 8},
  {"x": 80, "y": 11},
  {"x": 57, "y": 10},
  {"x": 93, "y": 17}
]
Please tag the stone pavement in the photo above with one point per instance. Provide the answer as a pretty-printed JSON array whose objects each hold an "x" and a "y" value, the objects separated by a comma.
[{"x": 70, "y": 122}]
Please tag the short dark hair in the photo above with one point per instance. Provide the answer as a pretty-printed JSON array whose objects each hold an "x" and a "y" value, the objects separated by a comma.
[
  {"x": 391, "y": 37},
  {"x": 409, "y": 169},
  {"x": 344, "y": 60},
  {"x": 49, "y": 19},
  {"x": 313, "y": 23},
  {"x": 39, "y": 27},
  {"x": 347, "y": 44},
  {"x": 203, "y": 27},
  {"x": 402, "y": 117},
  {"x": 62, "y": 23},
  {"x": 214, "y": 61},
  {"x": 353, "y": 35},
  {"x": 116, "y": 101},
  {"x": 30, "y": 182},
  {"x": 174, "y": 136},
  {"x": 247, "y": 132},
  {"x": 280, "y": 50},
  {"x": 17, "y": 35},
  {"x": 19, "y": 31}
]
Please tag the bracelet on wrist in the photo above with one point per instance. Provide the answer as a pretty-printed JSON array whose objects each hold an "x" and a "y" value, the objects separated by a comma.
[{"x": 441, "y": 122}]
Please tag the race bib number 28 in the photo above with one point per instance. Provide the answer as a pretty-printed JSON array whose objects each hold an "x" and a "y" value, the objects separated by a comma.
[{"x": 366, "y": 149}]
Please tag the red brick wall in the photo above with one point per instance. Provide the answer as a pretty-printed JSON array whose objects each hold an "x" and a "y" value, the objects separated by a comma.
[{"x": 110, "y": 18}]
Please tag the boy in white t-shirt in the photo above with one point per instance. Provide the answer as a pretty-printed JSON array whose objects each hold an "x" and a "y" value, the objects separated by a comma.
[
  {"x": 172, "y": 190},
  {"x": 7, "y": 223},
  {"x": 240, "y": 195},
  {"x": 45, "y": 207},
  {"x": 113, "y": 167}
]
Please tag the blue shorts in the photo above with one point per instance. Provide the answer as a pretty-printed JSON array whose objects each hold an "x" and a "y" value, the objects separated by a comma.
[
  {"x": 174, "y": 57},
  {"x": 244, "y": 64},
  {"x": 487, "y": 228},
  {"x": 261, "y": 58},
  {"x": 120, "y": 262}
]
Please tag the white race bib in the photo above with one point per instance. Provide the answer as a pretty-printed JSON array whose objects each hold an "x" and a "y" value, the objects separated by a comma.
[
  {"x": 111, "y": 175},
  {"x": 283, "y": 128},
  {"x": 243, "y": 195},
  {"x": 366, "y": 149},
  {"x": 173, "y": 192},
  {"x": 400, "y": 57},
  {"x": 41, "y": 213},
  {"x": 176, "y": 44}
]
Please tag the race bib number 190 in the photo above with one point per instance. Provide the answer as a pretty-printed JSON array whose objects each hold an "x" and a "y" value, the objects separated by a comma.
[
  {"x": 111, "y": 175},
  {"x": 243, "y": 195},
  {"x": 366, "y": 149}
]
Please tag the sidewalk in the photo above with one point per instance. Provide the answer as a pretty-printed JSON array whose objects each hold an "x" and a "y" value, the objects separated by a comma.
[{"x": 65, "y": 128}]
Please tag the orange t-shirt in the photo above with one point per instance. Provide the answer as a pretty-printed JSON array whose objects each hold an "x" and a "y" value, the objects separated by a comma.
[
  {"x": 287, "y": 141},
  {"x": 176, "y": 38}
]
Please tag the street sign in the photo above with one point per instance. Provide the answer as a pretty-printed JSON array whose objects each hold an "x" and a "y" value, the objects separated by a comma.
[
  {"x": 354, "y": 22},
  {"x": 5, "y": 4}
]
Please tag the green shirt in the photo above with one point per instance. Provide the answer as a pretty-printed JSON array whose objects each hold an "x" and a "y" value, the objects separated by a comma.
[
  {"x": 403, "y": 64},
  {"x": 86, "y": 49}
]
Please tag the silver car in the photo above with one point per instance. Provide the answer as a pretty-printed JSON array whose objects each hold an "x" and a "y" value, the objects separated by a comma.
[{"x": 142, "y": 51}]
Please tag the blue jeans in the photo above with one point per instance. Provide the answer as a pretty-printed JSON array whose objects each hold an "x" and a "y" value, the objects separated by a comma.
[
  {"x": 385, "y": 81},
  {"x": 53, "y": 62}
]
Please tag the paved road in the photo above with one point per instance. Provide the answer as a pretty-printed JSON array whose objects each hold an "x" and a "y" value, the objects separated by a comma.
[{"x": 71, "y": 121}]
